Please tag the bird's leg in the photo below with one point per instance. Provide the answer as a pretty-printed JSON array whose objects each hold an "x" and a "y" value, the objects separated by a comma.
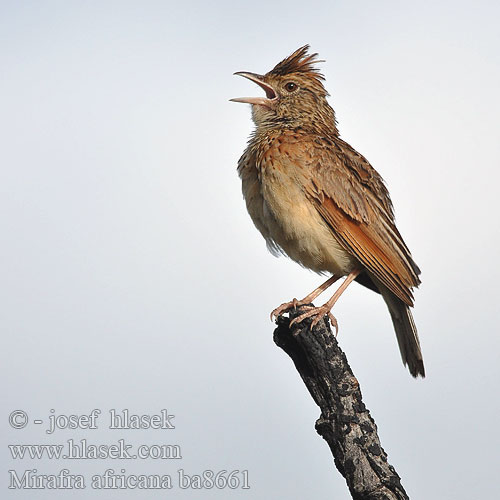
[
  {"x": 319, "y": 312},
  {"x": 294, "y": 303}
]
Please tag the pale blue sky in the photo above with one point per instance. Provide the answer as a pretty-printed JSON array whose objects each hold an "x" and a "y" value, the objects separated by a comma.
[{"x": 134, "y": 278}]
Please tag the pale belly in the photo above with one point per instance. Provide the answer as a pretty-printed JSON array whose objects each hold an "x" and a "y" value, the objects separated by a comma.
[{"x": 283, "y": 214}]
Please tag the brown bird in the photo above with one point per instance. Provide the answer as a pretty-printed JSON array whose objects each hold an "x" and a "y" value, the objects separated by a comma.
[{"x": 317, "y": 200}]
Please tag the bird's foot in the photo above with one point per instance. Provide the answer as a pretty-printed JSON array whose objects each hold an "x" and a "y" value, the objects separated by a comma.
[
  {"x": 317, "y": 313},
  {"x": 285, "y": 307}
]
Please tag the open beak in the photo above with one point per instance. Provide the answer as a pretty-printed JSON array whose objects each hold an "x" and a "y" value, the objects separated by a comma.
[{"x": 271, "y": 96}]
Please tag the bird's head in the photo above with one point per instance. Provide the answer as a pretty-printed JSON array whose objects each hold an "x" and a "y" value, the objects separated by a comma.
[{"x": 295, "y": 96}]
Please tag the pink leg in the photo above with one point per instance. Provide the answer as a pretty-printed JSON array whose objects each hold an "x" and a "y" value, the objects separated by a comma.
[
  {"x": 319, "y": 312},
  {"x": 306, "y": 300}
]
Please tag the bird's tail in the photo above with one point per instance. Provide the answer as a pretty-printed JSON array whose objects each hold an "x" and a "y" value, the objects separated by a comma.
[{"x": 406, "y": 332}]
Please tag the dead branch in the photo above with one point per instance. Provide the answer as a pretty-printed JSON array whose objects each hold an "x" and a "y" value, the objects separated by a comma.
[{"x": 345, "y": 423}]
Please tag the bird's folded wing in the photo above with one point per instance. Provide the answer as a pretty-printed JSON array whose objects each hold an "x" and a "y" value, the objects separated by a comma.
[
  {"x": 352, "y": 199},
  {"x": 368, "y": 246}
]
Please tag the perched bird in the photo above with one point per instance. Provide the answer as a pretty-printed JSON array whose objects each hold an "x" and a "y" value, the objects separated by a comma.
[{"x": 317, "y": 200}]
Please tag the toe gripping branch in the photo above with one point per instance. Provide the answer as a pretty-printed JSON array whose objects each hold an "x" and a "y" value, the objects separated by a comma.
[{"x": 345, "y": 423}]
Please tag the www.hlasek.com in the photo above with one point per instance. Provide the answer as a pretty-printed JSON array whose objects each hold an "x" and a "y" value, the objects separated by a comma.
[
  {"x": 82, "y": 450},
  {"x": 85, "y": 449}
]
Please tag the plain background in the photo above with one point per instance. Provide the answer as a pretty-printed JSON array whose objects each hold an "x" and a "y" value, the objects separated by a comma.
[{"x": 132, "y": 276}]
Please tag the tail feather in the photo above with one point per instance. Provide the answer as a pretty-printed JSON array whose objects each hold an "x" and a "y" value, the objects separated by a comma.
[{"x": 406, "y": 332}]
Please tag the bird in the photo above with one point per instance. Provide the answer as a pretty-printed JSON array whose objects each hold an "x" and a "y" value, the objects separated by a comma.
[{"x": 317, "y": 200}]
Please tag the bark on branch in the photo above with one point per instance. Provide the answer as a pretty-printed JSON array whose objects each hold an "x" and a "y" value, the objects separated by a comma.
[{"x": 345, "y": 423}]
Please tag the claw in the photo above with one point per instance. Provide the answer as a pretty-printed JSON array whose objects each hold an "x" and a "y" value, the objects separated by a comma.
[
  {"x": 333, "y": 321},
  {"x": 317, "y": 313},
  {"x": 303, "y": 316},
  {"x": 283, "y": 308}
]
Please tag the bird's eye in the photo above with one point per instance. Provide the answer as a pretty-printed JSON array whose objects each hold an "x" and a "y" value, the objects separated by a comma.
[{"x": 290, "y": 86}]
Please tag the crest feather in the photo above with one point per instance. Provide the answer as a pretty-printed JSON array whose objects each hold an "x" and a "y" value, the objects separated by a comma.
[{"x": 299, "y": 62}]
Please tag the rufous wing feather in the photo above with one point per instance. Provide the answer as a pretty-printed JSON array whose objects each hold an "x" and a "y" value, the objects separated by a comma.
[{"x": 370, "y": 249}]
